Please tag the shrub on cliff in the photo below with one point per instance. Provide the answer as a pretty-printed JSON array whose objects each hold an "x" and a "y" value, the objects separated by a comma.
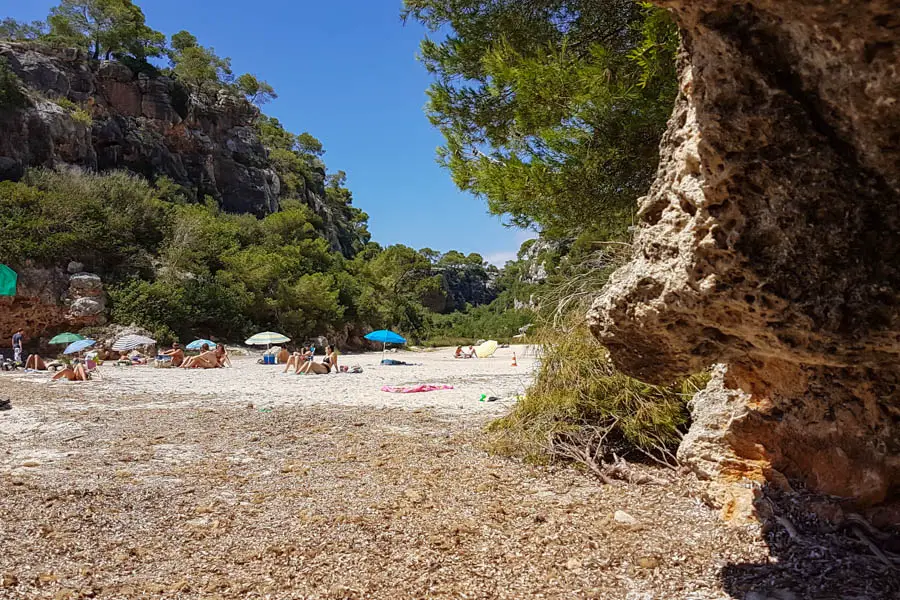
[
  {"x": 109, "y": 222},
  {"x": 11, "y": 94}
]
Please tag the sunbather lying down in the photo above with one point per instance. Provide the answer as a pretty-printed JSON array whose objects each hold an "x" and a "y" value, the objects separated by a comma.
[
  {"x": 35, "y": 362},
  {"x": 204, "y": 360},
  {"x": 77, "y": 372},
  {"x": 208, "y": 359}
]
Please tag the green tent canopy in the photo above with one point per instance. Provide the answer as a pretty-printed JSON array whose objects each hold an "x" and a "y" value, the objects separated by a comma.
[{"x": 8, "y": 279}]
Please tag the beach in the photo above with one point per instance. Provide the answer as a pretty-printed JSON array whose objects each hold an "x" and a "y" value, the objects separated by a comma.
[{"x": 249, "y": 483}]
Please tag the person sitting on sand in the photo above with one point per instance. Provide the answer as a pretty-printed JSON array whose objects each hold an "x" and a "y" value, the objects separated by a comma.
[
  {"x": 458, "y": 353},
  {"x": 296, "y": 360},
  {"x": 35, "y": 362},
  {"x": 222, "y": 357},
  {"x": 207, "y": 359},
  {"x": 176, "y": 353},
  {"x": 76, "y": 372},
  {"x": 283, "y": 356},
  {"x": 323, "y": 368},
  {"x": 471, "y": 353}
]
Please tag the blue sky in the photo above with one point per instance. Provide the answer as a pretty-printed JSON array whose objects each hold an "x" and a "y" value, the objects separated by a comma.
[{"x": 345, "y": 70}]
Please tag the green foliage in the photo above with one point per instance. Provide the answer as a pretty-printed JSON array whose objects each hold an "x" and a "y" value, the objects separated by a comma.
[
  {"x": 10, "y": 29},
  {"x": 183, "y": 40},
  {"x": 11, "y": 94},
  {"x": 109, "y": 222},
  {"x": 201, "y": 68},
  {"x": 552, "y": 110},
  {"x": 79, "y": 115},
  {"x": 490, "y": 321},
  {"x": 256, "y": 90},
  {"x": 106, "y": 28},
  {"x": 578, "y": 388},
  {"x": 298, "y": 161}
]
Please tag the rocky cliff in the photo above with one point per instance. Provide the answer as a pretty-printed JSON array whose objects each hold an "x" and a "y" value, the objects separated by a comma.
[
  {"x": 145, "y": 123},
  {"x": 142, "y": 123},
  {"x": 770, "y": 243}
]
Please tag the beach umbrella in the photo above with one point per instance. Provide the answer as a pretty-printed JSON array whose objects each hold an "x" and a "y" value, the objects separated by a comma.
[
  {"x": 130, "y": 342},
  {"x": 385, "y": 337},
  {"x": 66, "y": 338},
  {"x": 78, "y": 346},
  {"x": 267, "y": 338},
  {"x": 195, "y": 345},
  {"x": 487, "y": 349},
  {"x": 8, "y": 279}
]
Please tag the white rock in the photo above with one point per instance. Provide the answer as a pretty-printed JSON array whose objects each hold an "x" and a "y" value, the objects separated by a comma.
[{"x": 623, "y": 517}]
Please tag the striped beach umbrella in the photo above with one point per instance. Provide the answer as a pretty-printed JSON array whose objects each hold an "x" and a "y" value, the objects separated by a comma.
[
  {"x": 130, "y": 342},
  {"x": 267, "y": 338}
]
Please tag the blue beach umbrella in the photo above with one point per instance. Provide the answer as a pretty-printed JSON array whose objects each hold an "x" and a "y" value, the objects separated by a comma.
[
  {"x": 78, "y": 346},
  {"x": 195, "y": 345},
  {"x": 385, "y": 337}
]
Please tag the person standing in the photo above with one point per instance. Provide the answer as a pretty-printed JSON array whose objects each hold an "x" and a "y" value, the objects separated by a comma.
[{"x": 18, "y": 340}]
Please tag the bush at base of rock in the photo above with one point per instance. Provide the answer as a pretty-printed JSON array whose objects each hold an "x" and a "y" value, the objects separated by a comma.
[{"x": 578, "y": 389}]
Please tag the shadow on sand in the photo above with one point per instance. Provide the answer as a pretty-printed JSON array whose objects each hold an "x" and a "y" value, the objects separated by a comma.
[{"x": 812, "y": 558}]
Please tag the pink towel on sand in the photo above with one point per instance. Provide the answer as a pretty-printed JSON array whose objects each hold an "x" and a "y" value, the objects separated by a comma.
[{"x": 417, "y": 388}]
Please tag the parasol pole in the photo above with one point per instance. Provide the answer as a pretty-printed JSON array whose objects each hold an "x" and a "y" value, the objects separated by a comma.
[{"x": 383, "y": 349}]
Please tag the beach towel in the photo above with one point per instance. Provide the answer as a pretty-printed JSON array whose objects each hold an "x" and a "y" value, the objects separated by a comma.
[{"x": 415, "y": 388}]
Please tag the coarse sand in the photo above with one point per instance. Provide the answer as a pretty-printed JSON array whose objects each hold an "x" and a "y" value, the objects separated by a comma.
[{"x": 249, "y": 483}]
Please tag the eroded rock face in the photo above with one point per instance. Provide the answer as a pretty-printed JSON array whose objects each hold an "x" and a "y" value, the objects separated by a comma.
[
  {"x": 48, "y": 301},
  {"x": 148, "y": 125},
  {"x": 770, "y": 243}
]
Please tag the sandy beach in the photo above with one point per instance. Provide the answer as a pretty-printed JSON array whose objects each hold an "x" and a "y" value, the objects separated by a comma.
[
  {"x": 247, "y": 483},
  {"x": 268, "y": 386}
]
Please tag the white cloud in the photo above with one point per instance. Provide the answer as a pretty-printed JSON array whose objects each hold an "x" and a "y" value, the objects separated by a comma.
[{"x": 500, "y": 258}]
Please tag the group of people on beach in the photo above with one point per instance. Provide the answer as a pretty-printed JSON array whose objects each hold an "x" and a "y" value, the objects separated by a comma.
[
  {"x": 303, "y": 361},
  {"x": 81, "y": 369},
  {"x": 207, "y": 359},
  {"x": 470, "y": 353}
]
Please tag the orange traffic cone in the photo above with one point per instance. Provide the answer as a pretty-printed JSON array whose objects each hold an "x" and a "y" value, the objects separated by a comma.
[{"x": 514, "y": 360}]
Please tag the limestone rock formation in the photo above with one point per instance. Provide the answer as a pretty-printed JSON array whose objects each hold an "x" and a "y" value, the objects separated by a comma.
[
  {"x": 152, "y": 126},
  {"x": 149, "y": 125},
  {"x": 770, "y": 243},
  {"x": 48, "y": 301}
]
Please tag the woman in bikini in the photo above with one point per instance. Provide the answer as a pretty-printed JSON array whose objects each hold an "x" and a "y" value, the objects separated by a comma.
[
  {"x": 323, "y": 368},
  {"x": 222, "y": 358}
]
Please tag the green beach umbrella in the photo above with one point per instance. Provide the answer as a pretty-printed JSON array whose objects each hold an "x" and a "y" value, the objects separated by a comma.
[
  {"x": 8, "y": 280},
  {"x": 66, "y": 338}
]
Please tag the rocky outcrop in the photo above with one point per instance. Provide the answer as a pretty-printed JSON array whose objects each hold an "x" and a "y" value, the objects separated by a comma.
[
  {"x": 770, "y": 243},
  {"x": 143, "y": 123},
  {"x": 48, "y": 301}
]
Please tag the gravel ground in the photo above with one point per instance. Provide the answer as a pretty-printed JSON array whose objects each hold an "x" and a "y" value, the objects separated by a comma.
[{"x": 146, "y": 494}]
